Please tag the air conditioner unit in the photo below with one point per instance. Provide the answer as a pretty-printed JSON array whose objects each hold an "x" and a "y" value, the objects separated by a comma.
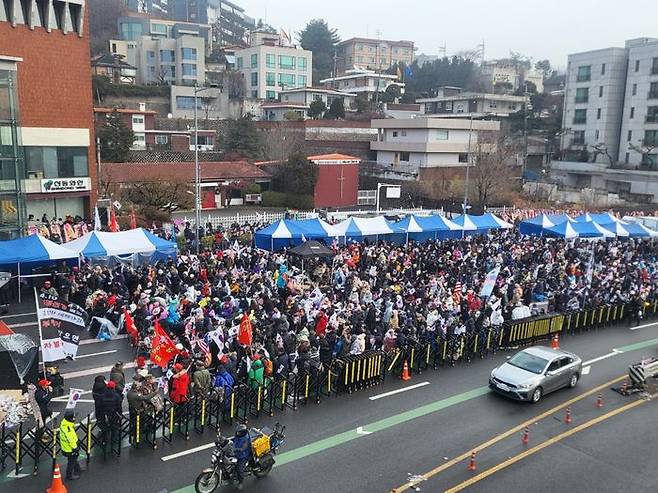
[{"x": 35, "y": 175}]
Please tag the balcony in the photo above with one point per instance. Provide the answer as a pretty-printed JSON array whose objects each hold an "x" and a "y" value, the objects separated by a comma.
[
  {"x": 579, "y": 121},
  {"x": 584, "y": 78},
  {"x": 653, "y": 95},
  {"x": 652, "y": 118}
]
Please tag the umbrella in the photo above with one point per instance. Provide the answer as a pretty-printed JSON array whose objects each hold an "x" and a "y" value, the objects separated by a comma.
[{"x": 310, "y": 249}]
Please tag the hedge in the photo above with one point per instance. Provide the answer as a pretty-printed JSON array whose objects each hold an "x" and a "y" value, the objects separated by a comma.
[{"x": 287, "y": 200}]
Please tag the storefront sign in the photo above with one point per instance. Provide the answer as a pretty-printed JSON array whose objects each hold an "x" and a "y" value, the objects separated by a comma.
[{"x": 53, "y": 185}]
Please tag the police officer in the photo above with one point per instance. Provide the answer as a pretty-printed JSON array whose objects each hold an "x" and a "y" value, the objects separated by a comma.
[{"x": 68, "y": 442}]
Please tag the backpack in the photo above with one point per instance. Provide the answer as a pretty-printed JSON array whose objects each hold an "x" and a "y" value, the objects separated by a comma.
[{"x": 269, "y": 367}]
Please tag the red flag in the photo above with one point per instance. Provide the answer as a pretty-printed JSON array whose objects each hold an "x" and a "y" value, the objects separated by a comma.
[
  {"x": 162, "y": 347},
  {"x": 245, "y": 333},
  {"x": 130, "y": 327},
  {"x": 114, "y": 225},
  {"x": 133, "y": 219}
]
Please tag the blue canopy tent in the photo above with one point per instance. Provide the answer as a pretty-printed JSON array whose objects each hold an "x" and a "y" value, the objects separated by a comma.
[
  {"x": 468, "y": 225},
  {"x": 637, "y": 230},
  {"x": 317, "y": 229},
  {"x": 568, "y": 229},
  {"x": 134, "y": 244},
  {"x": 279, "y": 235},
  {"x": 617, "y": 228},
  {"x": 536, "y": 225},
  {"x": 29, "y": 252},
  {"x": 490, "y": 221},
  {"x": 560, "y": 218},
  {"x": 564, "y": 229},
  {"x": 604, "y": 218},
  {"x": 584, "y": 218},
  {"x": 442, "y": 227},
  {"x": 359, "y": 229}
]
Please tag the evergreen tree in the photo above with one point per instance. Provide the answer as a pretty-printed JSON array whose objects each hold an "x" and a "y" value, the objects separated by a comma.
[
  {"x": 316, "y": 109},
  {"x": 241, "y": 137},
  {"x": 298, "y": 175},
  {"x": 321, "y": 40},
  {"x": 336, "y": 110},
  {"x": 116, "y": 138}
]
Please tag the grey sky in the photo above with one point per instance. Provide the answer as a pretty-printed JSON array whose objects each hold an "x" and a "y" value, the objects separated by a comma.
[{"x": 552, "y": 29}]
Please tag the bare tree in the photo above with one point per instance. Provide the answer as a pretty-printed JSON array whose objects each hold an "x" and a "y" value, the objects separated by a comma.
[
  {"x": 157, "y": 195},
  {"x": 280, "y": 141},
  {"x": 492, "y": 174},
  {"x": 601, "y": 149},
  {"x": 644, "y": 148},
  {"x": 234, "y": 83}
]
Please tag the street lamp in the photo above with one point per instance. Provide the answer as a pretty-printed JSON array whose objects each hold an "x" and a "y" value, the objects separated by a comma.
[{"x": 197, "y": 179}]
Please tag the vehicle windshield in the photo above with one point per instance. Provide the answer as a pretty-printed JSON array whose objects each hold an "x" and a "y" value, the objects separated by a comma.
[{"x": 528, "y": 362}]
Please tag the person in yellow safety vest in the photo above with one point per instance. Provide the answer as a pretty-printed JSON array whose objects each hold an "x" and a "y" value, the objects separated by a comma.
[{"x": 68, "y": 442}]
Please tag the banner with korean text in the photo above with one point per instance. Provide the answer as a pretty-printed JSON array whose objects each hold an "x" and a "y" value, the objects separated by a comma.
[{"x": 61, "y": 324}]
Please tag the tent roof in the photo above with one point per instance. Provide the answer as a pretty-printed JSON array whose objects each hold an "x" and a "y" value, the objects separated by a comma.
[
  {"x": 317, "y": 226},
  {"x": 311, "y": 249},
  {"x": 282, "y": 229},
  {"x": 559, "y": 218},
  {"x": 33, "y": 248},
  {"x": 359, "y": 226},
  {"x": 490, "y": 221},
  {"x": 617, "y": 228},
  {"x": 564, "y": 230},
  {"x": 637, "y": 230},
  {"x": 466, "y": 222},
  {"x": 439, "y": 223},
  {"x": 409, "y": 225},
  {"x": 541, "y": 220},
  {"x": 584, "y": 218},
  {"x": 104, "y": 244}
]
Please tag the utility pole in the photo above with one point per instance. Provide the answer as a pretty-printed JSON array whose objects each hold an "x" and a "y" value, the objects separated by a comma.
[
  {"x": 525, "y": 131},
  {"x": 333, "y": 82},
  {"x": 468, "y": 164},
  {"x": 377, "y": 67},
  {"x": 197, "y": 187}
]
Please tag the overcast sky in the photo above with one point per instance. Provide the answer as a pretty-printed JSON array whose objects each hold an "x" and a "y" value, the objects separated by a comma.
[{"x": 552, "y": 29}]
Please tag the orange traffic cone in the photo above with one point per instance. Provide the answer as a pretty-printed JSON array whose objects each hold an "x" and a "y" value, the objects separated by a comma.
[
  {"x": 471, "y": 464},
  {"x": 599, "y": 401},
  {"x": 57, "y": 486},
  {"x": 405, "y": 371},
  {"x": 567, "y": 417},
  {"x": 526, "y": 436},
  {"x": 555, "y": 342}
]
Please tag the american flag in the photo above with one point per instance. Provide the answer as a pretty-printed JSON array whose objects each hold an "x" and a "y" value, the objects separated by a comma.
[{"x": 201, "y": 345}]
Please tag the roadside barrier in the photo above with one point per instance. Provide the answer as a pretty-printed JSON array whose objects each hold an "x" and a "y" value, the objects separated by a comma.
[{"x": 23, "y": 446}]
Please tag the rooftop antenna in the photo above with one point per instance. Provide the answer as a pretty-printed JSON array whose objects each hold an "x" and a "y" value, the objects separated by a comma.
[
  {"x": 442, "y": 49},
  {"x": 480, "y": 48}
]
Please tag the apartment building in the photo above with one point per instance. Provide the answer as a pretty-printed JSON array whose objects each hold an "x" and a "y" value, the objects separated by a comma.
[
  {"x": 364, "y": 82},
  {"x": 451, "y": 101},
  {"x": 372, "y": 54},
  {"x": 230, "y": 23},
  {"x": 501, "y": 76},
  {"x": 412, "y": 147},
  {"x": 164, "y": 52},
  {"x": 270, "y": 68}
]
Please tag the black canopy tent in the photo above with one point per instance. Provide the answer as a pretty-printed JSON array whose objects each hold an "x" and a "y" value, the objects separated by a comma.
[{"x": 311, "y": 249}]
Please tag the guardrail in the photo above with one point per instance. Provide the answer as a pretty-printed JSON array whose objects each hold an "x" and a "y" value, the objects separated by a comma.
[{"x": 21, "y": 445}]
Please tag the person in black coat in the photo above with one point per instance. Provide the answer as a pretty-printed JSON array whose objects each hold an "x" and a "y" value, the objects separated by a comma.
[
  {"x": 111, "y": 408},
  {"x": 97, "y": 392}
]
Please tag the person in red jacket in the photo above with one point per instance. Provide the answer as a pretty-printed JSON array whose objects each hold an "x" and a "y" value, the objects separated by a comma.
[
  {"x": 321, "y": 321},
  {"x": 180, "y": 382}
]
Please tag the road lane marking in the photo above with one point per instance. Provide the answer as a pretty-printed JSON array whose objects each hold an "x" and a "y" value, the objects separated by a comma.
[
  {"x": 644, "y": 326},
  {"x": 94, "y": 341},
  {"x": 614, "y": 352},
  {"x": 80, "y": 356},
  {"x": 547, "y": 443},
  {"x": 393, "y": 392},
  {"x": 637, "y": 345},
  {"x": 15, "y": 315},
  {"x": 24, "y": 324},
  {"x": 96, "y": 371},
  {"x": 188, "y": 452},
  {"x": 508, "y": 433},
  {"x": 361, "y": 431},
  {"x": 586, "y": 370}
]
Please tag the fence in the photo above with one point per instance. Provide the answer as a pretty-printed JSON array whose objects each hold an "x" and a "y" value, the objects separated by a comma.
[{"x": 22, "y": 446}]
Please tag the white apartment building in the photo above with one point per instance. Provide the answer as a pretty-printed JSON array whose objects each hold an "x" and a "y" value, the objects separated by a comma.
[
  {"x": 639, "y": 125},
  {"x": 270, "y": 68},
  {"x": 416, "y": 144},
  {"x": 451, "y": 101},
  {"x": 499, "y": 73},
  {"x": 367, "y": 82},
  {"x": 307, "y": 95}
]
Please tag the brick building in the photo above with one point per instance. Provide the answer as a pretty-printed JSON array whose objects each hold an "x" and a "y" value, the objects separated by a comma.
[{"x": 46, "y": 98}]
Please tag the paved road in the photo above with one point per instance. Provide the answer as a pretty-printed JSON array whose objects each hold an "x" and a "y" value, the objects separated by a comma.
[{"x": 408, "y": 434}]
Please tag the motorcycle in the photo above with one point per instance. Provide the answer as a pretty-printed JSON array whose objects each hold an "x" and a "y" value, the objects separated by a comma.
[{"x": 224, "y": 462}]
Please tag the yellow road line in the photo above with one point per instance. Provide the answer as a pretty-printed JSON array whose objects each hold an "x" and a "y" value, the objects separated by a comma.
[
  {"x": 547, "y": 443},
  {"x": 502, "y": 436}
]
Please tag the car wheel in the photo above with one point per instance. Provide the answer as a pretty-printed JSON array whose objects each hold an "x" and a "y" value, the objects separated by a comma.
[
  {"x": 536, "y": 395},
  {"x": 573, "y": 381}
]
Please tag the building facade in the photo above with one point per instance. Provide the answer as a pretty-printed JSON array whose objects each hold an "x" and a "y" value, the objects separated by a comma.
[
  {"x": 47, "y": 151},
  {"x": 502, "y": 76},
  {"x": 114, "y": 68},
  {"x": 410, "y": 146},
  {"x": 307, "y": 95},
  {"x": 362, "y": 82},
  {"x": 338, "y": 180},
  {"x": 452, "y": 101},
  {"x": 372, "y": 54},
  {"x": 138, "y": 120},
  {"x": 268, "y": 69},
  {"x": 230, "y": 24}
]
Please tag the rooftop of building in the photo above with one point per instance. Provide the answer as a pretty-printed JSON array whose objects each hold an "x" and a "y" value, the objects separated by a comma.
[
  {"x": 322, "y": 90},
  {"x": 334, "y": 158},
  {"x": 428, "y": 122},
  {"x": 111, "y": 60},
  {"x": 357, "y": 74},
  {"x": 129, "y": 111},
  {"x": 278, "y": 104},
  {"x": 409, "y": 44},
  {"x": 181, "y": 171},
  {"x": 473, "y": 95}
]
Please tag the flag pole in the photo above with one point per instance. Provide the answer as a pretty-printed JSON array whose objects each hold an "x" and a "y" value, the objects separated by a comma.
[{"x": 36, "y": 302}]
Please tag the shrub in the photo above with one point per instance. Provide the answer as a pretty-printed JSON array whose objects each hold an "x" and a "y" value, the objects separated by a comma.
[{"x": 287, "y": 200}]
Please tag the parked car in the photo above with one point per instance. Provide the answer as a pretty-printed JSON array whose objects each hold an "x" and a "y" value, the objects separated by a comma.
[{"x": 534, "y": 372}]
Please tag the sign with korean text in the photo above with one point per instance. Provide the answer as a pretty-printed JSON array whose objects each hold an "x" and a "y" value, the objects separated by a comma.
[
  {"x": 54, "y": 185},
  {"x": 61, "y": 325}
]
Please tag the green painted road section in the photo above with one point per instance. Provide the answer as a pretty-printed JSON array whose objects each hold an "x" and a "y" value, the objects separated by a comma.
[
  {"x": 382, "y": 424},
  {"x": 638, "y": 345}
]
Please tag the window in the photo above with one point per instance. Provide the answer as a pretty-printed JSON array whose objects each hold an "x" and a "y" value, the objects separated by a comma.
[
  {"x": 140, "y": 139},
  {"x": 651, "y": 137},
  {"x": 492, "y": 104},
  {"x": 580, "y": 116},
  {"x": 254, "y": 60},
  {"x": 601, "y": 91},
  {"x": 187, "y": 103},
  {"x": 159, "y": 29},
  {"x": 653, "y": 90},
  {"x": 627, "y": 158},
  {"x": 240, "y": 63},
  {"x": 634, "y": 92},
  {"x": 654, "y": 66},
  {"x": 57, "y": 162},
  {"x": 286, "y": 62},
  {"x": 637, "y": 65},
  {"x": 598, "y": 114},
  {"x": 286, "y": 80},
  {"x": 603, "y": 69},
  {"x": 629, "y": 137},
  {"x": 578, "y": 137},
  {"x": 395, "y": 133},
  {"x": 652, "y": 114},
  {"x": 254, "y": 94},
  {"x": 596, "y": 135},
  {"x": 301, "y": 62},
  {"x": 130, "y": 31},
  {"x": 254, "y": 79},
  {"x": 403, "y": 133},
  {"x": 463, "y": 157},
  {"x": 270, "y": 60},
  {"x": 205, "y": 140},
  {"x": 188, "y": 53},
  {"x": 167, "y": 56},
  {"x": 270, "y": 95},
  {"x": 584, "y": 73},
  {"x": 270, "y": 79},
  {"x": 150, "y": 57},
  {"x": 189, "y": 69},
  {"x": 301, "y": 81},
  {"x": 632, "y": 115},
  {"x": 404, "y": 156},
  {"x": 138, "y": 120},
  {"x": 168, "y": 71},
  {"x": 161, "y": 140},
  {"x": 440, "y": 134},
  {"x": 582, "y": 95}
]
